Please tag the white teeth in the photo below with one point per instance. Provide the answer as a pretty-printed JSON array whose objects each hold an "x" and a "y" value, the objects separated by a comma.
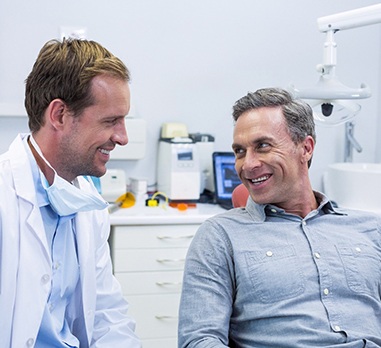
[
  {"x": 260, "y": 179},
  {"x": 106, "y": 152}
]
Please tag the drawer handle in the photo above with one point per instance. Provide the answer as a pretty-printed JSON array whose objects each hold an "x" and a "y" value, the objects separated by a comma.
[
  {"x": 164, "y": 317},
  {"x": 170, "y": 260},
  {"x": 176, "y": 237},
  {"x": 168, "y": 283}
]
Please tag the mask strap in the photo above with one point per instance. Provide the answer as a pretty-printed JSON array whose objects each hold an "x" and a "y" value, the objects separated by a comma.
[{"x": 42, "y": 162}]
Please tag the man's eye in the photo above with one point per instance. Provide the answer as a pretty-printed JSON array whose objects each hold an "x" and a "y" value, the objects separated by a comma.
[
  {"x": 239, "y": 153},
  {"x": 263, "y": 145}
]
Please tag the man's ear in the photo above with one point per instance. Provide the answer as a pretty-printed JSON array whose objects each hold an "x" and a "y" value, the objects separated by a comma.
[
  {"x": 308, "y": 148},
  {"x": 56, "y": 112}
]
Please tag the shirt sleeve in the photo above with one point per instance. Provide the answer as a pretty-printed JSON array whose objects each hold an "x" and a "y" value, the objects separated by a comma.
[{"x": 208, "y": 290}]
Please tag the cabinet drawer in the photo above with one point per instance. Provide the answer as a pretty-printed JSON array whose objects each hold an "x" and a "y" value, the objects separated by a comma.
[
  {"x": 146, "y": 283},
  {"x": 154, "y": 236},
  {"x": 155, "y": 316},
  {"x": 135, "y": 260}
]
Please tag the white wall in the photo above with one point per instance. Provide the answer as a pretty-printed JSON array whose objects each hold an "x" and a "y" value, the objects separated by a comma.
[{"x": 191, "y": 60}]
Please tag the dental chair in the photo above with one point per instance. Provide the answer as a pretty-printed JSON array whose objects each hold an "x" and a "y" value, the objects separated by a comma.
[{"x": 240, "y": 196}]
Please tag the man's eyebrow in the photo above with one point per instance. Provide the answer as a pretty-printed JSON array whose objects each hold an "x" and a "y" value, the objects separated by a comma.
[
  {"x": 262, "y": 139},
  {"x": 111, "y": 117}
]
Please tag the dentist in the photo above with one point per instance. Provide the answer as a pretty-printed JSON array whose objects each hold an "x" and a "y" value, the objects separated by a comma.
[{"x": 56, "y": 282}]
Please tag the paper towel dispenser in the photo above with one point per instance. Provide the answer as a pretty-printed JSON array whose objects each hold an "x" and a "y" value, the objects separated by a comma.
[{"x": 136, "y": 147}]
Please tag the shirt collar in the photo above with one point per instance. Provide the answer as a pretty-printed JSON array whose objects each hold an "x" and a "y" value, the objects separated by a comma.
[{"x": 259, "y": 212}]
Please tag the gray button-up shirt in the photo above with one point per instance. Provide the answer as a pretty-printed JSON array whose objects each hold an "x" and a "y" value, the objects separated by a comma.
[{"x": 260, "y": 277}]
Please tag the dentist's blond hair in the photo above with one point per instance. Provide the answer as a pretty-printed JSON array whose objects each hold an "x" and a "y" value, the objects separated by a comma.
[{"x": 64, "y": 70}]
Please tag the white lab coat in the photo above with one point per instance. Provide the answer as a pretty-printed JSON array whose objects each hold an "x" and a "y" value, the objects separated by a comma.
[{"x": 25, "y": 267}]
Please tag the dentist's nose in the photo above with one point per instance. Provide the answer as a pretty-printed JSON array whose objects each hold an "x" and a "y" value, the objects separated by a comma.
[{"x": 120, "y": 136}]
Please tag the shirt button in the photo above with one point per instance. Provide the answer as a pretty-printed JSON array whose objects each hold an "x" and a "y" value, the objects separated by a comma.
[
  {"x": 30, "y": 342},
  {"x": 45, "y": 278},
  {"x": 273, "y": 210},
  {"x": 304, "y": 223},
  {"x": 269, "y": 253},
  {"x": 317, "y": 255},
  {"x": 326, "y": 291},
  {"x": 337, "y": 328},
  {"x": 358, "y": 250}
]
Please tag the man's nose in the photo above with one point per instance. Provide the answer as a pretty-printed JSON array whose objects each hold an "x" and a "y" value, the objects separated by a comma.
[
  {"x": 251, "y": 161},
  {"x": 120, "y": 136}
]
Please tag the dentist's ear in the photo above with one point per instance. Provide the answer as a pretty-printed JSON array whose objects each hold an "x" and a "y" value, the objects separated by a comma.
[{"x": 55, "y": 113}]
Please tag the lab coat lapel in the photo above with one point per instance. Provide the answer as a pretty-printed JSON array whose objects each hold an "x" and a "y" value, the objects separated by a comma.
[
  {"x": 34, "y": 271},
  {"x": 25, "y": 190}
]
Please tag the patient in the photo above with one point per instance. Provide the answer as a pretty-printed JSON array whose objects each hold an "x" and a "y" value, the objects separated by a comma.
[{"x": 289, "y": 269}]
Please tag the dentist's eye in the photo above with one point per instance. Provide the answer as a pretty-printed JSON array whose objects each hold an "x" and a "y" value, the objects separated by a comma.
[{"x": 111, "y": 121}]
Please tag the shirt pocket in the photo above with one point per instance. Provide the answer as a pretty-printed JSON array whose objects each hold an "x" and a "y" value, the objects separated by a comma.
[
  {"x": 361, "y": 265},
  {"x": 275, "y": 273}
]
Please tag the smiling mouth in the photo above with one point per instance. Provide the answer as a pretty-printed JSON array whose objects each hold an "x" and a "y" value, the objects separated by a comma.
[
  {"x": 104, "y": 151},
  {"x": 260, "y": 179}
]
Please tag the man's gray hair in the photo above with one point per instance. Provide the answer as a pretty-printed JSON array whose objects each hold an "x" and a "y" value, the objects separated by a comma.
[{"x": 297, "y": 113}]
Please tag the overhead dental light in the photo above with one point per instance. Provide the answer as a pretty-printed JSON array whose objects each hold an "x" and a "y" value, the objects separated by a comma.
[{"x": 333, "y": 102}]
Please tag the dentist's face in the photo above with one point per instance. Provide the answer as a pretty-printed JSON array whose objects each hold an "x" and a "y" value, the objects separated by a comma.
[
  {"x": 85, "y": 147},
  {"x": 268, "y": 162}
]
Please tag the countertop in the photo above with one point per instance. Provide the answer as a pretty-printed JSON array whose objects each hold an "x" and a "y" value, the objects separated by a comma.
[{"x": 162, "y": 215}]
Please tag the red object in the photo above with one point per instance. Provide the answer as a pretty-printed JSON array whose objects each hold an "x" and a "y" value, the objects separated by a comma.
[{"x": 239, "y": 196}]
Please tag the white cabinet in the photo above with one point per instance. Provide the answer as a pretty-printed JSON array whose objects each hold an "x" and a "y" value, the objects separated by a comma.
[
  {"x": 148, "y": 262},
  {"x": 148, "y": 248}
]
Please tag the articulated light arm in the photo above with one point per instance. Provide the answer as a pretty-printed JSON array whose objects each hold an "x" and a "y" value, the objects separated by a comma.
[
  {"x": 343, "y": 21},
  {"x": 329, "y": 93},
  {"x": 351, "y": 19}
]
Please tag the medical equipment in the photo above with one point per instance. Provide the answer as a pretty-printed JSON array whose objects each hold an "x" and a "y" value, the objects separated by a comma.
[
  {"x": 205, "y": 148},
  {"x": 113, "y": 184},
  {"x": 178, "y": 165},
  {"x": 178, "y": 169},
  {"x": 331, "y": 100}
]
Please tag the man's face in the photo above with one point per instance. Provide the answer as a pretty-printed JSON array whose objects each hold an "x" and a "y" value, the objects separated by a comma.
[
  {"x": 88, "y": 139},
  {"x": 271, "y": 166}
]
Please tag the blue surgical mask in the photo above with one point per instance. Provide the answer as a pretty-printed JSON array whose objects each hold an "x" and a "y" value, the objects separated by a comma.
[{"x": 66, "y": 198}]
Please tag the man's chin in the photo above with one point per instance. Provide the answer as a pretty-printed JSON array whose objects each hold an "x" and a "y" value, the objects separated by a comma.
[
  {"x": 97, "y": 172},
  {"x": 260, "y": 199}
]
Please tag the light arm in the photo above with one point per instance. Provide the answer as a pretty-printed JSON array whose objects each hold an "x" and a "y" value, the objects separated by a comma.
[{"x": 350, "y": 19}]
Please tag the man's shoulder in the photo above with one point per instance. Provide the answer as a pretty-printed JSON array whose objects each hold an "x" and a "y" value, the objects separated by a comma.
[{"x": 230, "y": 220}]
